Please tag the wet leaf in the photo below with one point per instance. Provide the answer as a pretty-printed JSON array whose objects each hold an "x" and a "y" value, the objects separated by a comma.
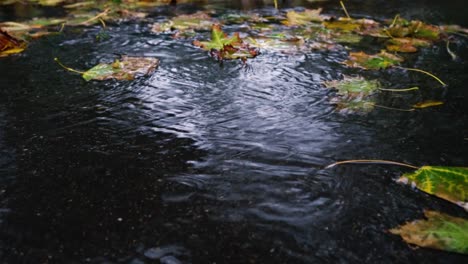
[
  {"x": 353, "y": 94},
  {"x": 224, "y": 47},
  {"x": 10, "y": 45},
  {"x": 353, "y": 106},
  {"x": 34, "y": 28},
  {"x": 381, "y": 60},
  {"x": 426, "y": 104},
  {"x": 286, "y": 45},
  {"x": 449, "y": 183},
  {"x": 415, "y": 29},
  {"x": 354, "y": 86},
  {"x": 302, "y": 18},
  {"x": 351, "y": 25},
  {"x": 125, "y": 69},
  {"x": 197, "y": 21},
  {"x": 406, "y": 44},
  {"x": 439, "y": 231}
]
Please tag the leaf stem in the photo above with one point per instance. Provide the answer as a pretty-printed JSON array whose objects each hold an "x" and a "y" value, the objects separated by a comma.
[
  {"x": 451, "y": 53},
  {"x": 368, "y": 161},
  {"x": 425, "y": 72},
  {"x": 397, "y": 16},
  {"x": 344, "y": 9},
  {"x": 399, "y": 90},
  {"x": 67, "y": 68},
  {"x": 392, "y": 108}
]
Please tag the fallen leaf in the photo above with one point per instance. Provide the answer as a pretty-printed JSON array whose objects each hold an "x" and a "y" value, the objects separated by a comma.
[
  {"x": 381, "y": 60},
  {"x": 302, "y": 18},
  {"x": 426, "y": 104},
  {"x": 223, "y": 47},
  {"x": 353, "y": 94},
  {"x": 10, "y": 45},
  {"x": 449, "y": 183},
  {"x": 125, "y": 69},
  {"x": 439, "y": 231},
  {"x": 406, "y": 44},
  {"x": 196, "y": 21},
  {"x": 353, "y": 106},
  {"x": 415, "y": 29},
  {"x": 355, "y": 86}
]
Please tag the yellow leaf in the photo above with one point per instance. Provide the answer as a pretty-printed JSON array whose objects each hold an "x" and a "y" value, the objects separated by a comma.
[{"x": 426, "y": 104}]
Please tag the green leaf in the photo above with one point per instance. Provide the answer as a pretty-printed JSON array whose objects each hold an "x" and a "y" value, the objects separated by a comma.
[
  {"x": 439, "y": 231},
  {"x": 449, "y": 183},
  {"x": 378, "y": 61},
  {"x": 224, "y": 47},
  {"x": 196, "y": 21},
  {"x": 354, "y": 85},
  {"x": 125, "y": 69},
  {"x": 406, "y": 44}
]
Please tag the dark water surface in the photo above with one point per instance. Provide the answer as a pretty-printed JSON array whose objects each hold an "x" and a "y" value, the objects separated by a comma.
[{"x": 202, "y": 163}]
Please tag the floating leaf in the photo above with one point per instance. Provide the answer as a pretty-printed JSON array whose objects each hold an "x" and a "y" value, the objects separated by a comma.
[
  {"x": 196, "y": 21},
  {"x": 416, "y": 29},
  {"x": 302, "y": 18},
  {"x": 439, "y": 231},
  {"x": 354, "y": 94},
  {"x": 287, "y": 45},
  {"x": 10, "y": 45},
  {"x": 354, "y": 86},
  {"x": 349, "y": 25},
  {"x": 125, "y": 69},
  {"x": 224, "y": 47},
  {"x": 406, "y": 44},
  {"x": 382, "y": 60},
  {"x": 449, "y": 183},
  {"x": 426, "y": 104}
]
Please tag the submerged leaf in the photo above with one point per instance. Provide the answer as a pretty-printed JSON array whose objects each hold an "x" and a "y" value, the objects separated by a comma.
[
  {"x": 354, "y": 94},
  {"x": 354, "y": 86},
  {"x": 381, "y": 60},
  {"x": 449, "y": 183},
  {"x": 353, "y": 106},
  {"x": 125, "y": 69},
  {"x": 439, "y": 231}
]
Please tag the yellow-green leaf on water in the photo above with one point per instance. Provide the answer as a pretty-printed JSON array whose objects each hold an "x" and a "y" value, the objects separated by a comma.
[
  {"x": 196, "y": 21},
  {"x": 416, "y": 29},
  {"x": 439, "y": 231},
  {"x": 378, "y": 61},
  {"x": 125, "y": 69},
  {"x": 426, "y": 104},
  {"x": 223, "y": 47},
  {"x": 302, "y": 18},
  {"x": 449, "y": 183},
  {"x": 406, "y": 44},
  {"x": 355, "y": 86}
]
